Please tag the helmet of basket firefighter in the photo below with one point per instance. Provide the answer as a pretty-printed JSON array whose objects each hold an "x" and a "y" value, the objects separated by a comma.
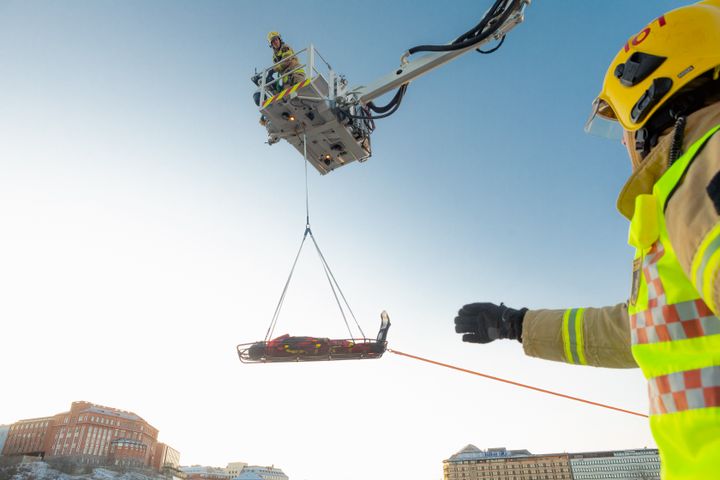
[
  {"x": 272, "y": 35},
  {"x": 655, "y": 64}
]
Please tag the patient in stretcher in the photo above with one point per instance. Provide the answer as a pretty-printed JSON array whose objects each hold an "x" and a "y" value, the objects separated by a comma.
[{"x": 286, "y": 346}]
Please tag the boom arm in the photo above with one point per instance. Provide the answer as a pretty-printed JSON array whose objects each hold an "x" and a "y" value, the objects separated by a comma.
[{"x": 409, "y": 70}]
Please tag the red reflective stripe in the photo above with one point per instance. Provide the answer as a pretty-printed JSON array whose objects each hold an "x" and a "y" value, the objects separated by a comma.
[
  {"x": 663, "y": 334},
  {"x": 712, "y": 396},
  {"x": 649, "y": 318},
  {"x": 663, "y": 384},
  {"x": 682, "y": 391},
  {"x": 670, "y": 315},
  {"x": 661, "y": 322},
  {"x": 703, "y": 309},
  {"x": 269, "y": 101},
  {"x": 680, "y": 399},
  {"x": 692, "y": 379},
  {"x": 693, "y": 328}
]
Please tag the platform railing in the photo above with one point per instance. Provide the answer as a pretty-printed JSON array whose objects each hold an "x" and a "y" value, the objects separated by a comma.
[{"x": 310, "y": 62}]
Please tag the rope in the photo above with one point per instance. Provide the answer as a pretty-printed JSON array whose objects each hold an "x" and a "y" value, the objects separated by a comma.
[
  {"x": 276, "y": 315},
  {"x": 518, "y": 384},
  {"x": 273, "y": 322},
  {"x": 328, "y": 275},
  {"x": 347, "y": 305},
  {"x": 328, "y": 272},
  {"x": 334, "y": 285},
  {"x": 307, "y": 200}
]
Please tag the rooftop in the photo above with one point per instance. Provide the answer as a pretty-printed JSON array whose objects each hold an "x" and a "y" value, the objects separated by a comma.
[
  {"x": 615, "y": 453},
  {"x": 471, "y": 452},
  {"x": 113, "y": 413},
  {"x": 248, "y": 476}
]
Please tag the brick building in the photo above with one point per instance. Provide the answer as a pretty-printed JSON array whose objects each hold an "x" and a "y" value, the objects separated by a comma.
[
  {"x": 4, "y": 429},
  {"x": 166, "y": 457},
  {"x": 89, "y": 434},
  {"x": 28, "y": 437},
  {"x": 127, "y": 453}
]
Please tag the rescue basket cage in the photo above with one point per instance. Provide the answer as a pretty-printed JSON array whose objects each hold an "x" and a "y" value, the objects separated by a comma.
[
  {"x": 309, "y": 109},
  {"x": 307, "y": 349}
]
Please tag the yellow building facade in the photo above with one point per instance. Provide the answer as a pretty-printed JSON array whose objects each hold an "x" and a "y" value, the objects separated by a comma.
[{"x": 471, "y": 463}]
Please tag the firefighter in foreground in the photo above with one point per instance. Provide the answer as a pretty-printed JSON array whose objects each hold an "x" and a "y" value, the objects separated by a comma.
[{"x": 663, "y": 89}]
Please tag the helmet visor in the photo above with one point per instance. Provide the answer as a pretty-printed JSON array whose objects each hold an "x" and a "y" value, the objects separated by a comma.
[{"x": 602, "y": 121}]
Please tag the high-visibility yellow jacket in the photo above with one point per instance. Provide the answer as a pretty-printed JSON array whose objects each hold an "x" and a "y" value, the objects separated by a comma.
[
  {"x": 669, "y": 326},
  {"x": 283, "y": 53}
]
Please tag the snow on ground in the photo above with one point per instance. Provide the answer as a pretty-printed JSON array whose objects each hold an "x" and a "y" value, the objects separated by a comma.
[{"x": 42, "y": 471}]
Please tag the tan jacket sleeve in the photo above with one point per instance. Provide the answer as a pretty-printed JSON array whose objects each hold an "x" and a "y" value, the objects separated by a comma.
[
  {"x": 592, "y": 336},
  {"x": 692, "y": 218}
]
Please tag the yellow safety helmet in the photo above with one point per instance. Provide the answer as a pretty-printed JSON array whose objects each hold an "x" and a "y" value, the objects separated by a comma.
[
  {"x": 656, "y": 63},
  {"x": 272, "y": 35}
]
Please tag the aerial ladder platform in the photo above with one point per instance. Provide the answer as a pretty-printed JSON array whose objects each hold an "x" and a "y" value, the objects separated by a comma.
[{"x": 330, "y": 122}]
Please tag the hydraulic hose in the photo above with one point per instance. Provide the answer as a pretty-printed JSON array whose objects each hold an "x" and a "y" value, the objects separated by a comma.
[
  {"x": 386, "y": 110},
  {"x": 494, "y": 18},
  {"x": 486, "y": 52},
  {"x": 499, "y": 12},
  {"x": 395, "y": 100}
]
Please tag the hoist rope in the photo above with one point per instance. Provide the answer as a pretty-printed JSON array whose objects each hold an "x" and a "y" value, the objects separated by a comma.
[
  {"x": 334, "y": 285},
  {"x": 331, "y": 276},
  {"x": 273, "y": 322},
  {"x": 517, "y": 384},
  {"x": 278, "y": 307},
  {"x": 328, "y": 275},
  {"x": 307, "y": 195}
]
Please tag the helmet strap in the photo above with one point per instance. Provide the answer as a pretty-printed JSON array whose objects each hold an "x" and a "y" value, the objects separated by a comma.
[
  {"x": 699, "y": 93},
  {"x": 672, "y": 113}
]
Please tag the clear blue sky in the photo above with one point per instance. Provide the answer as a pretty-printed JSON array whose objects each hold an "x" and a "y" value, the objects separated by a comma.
[{"x": 146, "y": 229}]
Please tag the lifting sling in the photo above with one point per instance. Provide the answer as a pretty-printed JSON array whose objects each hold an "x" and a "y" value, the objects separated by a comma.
[{"x": 286, "y": 348}]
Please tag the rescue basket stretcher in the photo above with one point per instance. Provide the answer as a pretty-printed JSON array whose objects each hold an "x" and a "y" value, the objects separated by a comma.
[{"x": 288, "y": 348}]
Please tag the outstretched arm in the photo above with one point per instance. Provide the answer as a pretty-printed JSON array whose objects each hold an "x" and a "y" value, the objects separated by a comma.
[{"x": 582, "y": 336}]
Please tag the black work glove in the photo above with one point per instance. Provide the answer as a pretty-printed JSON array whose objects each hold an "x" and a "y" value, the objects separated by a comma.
[{"x": 485, "y": 322}]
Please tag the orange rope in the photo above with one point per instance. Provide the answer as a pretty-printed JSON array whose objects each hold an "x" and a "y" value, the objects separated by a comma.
[{"x": 517, "y": 384}]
